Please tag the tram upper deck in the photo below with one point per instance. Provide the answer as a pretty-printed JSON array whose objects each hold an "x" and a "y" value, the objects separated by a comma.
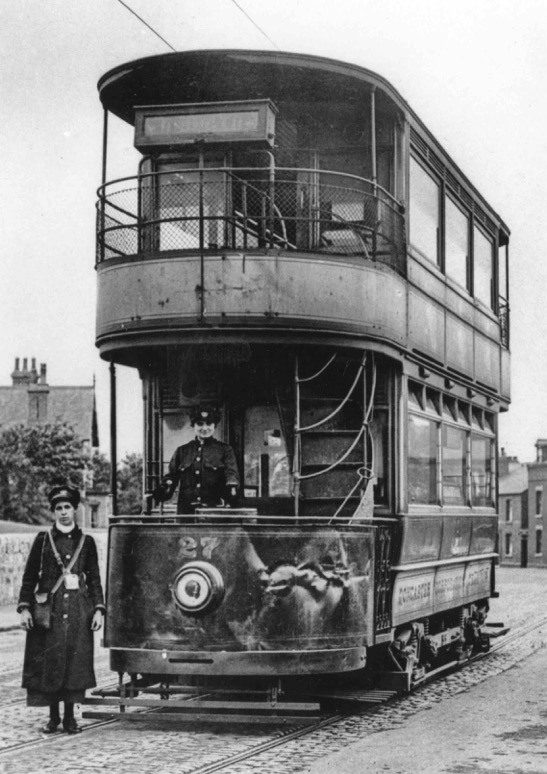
[{"x": 283, "y": 197}]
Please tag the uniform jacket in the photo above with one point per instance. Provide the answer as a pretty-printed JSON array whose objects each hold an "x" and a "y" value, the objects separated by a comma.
[
  {"x": 61, "y": 657},
  {"x": 203, "y": 471}
]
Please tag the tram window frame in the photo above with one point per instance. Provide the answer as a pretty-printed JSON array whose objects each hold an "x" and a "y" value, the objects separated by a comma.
[
  {"x": 485, "y": 293},
  {"x": 417, "y": 198},
  {"x": 486, "y": 274},
  {"x": 476, "y": 480},
  {"x": 451, "y": 239}
]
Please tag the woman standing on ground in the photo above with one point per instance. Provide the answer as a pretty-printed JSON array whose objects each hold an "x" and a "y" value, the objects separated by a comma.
[{"x": 58, "y": 662}]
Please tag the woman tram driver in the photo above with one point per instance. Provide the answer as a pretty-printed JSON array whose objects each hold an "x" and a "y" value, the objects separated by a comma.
[{"x": 205, "y": 468}]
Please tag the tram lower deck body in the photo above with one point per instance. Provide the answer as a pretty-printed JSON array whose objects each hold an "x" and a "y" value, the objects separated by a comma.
[{"x": 263, "y": 602}]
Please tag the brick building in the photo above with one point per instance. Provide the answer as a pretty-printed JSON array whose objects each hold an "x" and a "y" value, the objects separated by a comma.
[
  {"x": 30, "y": 400},
  {"x": 523, "y": 509}
]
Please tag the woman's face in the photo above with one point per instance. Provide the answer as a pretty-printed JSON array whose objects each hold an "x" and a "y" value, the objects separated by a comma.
[
  {"x": 64, "y": 513},
  {"x": 204, "y": 429}
]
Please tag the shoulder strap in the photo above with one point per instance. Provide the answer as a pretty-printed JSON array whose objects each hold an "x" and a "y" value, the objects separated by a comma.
[{"x": 70, "y": 565}]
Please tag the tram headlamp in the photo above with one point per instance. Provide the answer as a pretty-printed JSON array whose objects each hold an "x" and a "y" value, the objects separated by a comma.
[{"x": 198, "y": 587}]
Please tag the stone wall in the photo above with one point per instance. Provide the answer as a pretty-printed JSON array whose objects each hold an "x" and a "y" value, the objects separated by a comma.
[{"x": 14, "y": 549}]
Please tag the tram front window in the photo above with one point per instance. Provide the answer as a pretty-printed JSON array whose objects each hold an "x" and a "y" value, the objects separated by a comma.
[
  {"x": 184, "y": 191},
  {"x": 266, "y": 463}
]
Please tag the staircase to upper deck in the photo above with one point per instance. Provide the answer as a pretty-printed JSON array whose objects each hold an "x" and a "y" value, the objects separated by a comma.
[{"x": 330, "y": 459}]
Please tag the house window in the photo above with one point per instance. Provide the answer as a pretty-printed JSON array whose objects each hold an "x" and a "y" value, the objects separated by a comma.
[
  {"x": 94, "y": 515},
  {"x": 539, "y": 501},
  {"x": 508, "y": 544},
  {"x": 539, "y": 541},
  {"x": 509, "y": 509},
  {"x": 425, "y": 211}
]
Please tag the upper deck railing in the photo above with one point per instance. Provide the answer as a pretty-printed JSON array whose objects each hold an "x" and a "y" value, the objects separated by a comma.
[{"x": 212, "y": 209}]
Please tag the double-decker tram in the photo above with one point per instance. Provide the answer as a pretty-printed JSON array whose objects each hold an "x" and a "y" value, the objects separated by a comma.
[{"x": 296, "y": 253}]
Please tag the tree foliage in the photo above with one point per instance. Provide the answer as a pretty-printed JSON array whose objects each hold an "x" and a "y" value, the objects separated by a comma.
[
  {"x": 130, "y": 484},
  {"x": 32, "y": 460}
]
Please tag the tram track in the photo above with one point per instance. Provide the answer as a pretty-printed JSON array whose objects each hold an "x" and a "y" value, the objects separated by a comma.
[{"x": 278, "y": 738}]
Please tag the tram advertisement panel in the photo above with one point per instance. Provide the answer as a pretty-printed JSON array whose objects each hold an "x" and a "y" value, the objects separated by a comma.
[
  {"x": 202, "y": 588},
  {"x": 436, "y": 589}
]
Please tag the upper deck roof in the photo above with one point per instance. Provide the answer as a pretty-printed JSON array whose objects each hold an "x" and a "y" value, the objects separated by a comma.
[{"x": 219, "y": 75}]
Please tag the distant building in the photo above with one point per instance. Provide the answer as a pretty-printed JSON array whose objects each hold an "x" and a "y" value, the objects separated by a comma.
[
  {"x": 30, "y": 400},
  {"x": 513, "y": 511},
  {"x": 522, "y": 509}
]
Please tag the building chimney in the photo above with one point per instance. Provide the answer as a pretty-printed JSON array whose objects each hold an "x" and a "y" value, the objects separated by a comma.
[
  {"x": 43, "y": 373},
  {"x": 21, "y": 376}
]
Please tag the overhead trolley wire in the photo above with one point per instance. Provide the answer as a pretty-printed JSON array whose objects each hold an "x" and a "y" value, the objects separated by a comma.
[
  {"x": 243, "y": 11},
  {"x": 147, "y": 25}
]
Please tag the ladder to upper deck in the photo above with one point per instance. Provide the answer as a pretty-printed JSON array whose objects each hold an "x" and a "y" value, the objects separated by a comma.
[{"x": 330, "y": 462}]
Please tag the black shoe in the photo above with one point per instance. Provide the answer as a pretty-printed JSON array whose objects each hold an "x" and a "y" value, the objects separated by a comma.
[
  {"x": 71, "y": 727},
  {"x": 51, "y": 726}
]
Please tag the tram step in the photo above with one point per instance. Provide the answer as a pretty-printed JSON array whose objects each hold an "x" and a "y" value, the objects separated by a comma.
[{"x": 369, "y": 696}]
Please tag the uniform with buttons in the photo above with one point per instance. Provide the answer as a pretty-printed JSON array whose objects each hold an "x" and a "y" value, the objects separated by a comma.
[{"x": 59, "y": 661}]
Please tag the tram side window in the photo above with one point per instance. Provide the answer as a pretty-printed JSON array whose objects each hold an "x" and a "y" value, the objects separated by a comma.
[
  {"x": 457, "y": 243},
  {"x": 454, "y": 465},
  {"x": 266, "y": 463},
  {"x": 422, "y": 460},
  {"x": 483, "y": 260},
  {"x": 481, "y": 470},
  {"x": 425, "y": 211},
  {"x": 464, "y": 470}
]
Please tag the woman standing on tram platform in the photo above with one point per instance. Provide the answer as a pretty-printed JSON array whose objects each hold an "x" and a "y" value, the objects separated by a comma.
[{"x": 58, "y": 663}]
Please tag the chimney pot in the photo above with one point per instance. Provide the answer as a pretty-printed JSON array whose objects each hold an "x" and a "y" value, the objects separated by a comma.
[
  {"x": 25, "y": 364},
  {"x": 16, "y": 363}
]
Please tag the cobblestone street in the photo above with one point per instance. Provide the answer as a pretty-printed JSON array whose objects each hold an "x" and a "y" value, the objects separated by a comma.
[{"x": 491, "y": 717}]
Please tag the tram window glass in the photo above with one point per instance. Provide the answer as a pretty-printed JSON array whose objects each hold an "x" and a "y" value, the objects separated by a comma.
[
  {"x": 432, "y": 401},
  {"x": 180, "y": 186},
  {"x": 422, "y": 460},
  {"x": 424, "y": 214},
  {"x": 477, "y": 418},
  {"x": 454, "y": 465},
  {"x": 463, "y": 465},
  {"x": 449, "y": 409},
  {"x": 416, "y": 395},
  {"x": 266, "y": 465},
  {"x": 481, "y": 470},
  {"x": 456, "y": 243},
  {"x": 463, "y": 412},
  {"x": 379, "y": 435},
  {"x": 483, "y": 251}
]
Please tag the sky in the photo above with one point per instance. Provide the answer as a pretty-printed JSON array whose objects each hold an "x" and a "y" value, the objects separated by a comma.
[{"x": 475, "y": 71}]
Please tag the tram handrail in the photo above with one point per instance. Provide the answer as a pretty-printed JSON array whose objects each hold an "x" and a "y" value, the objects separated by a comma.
[{"x": 298, "y": 208}]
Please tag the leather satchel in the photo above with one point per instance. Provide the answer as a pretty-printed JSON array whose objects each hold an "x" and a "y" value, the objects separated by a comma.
[{"x": 41, "y": 610}]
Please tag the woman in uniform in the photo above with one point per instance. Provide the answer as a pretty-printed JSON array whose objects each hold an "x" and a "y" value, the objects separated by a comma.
[
  {"x": 205, "y": 468},
  {"x": 58, "y": 665}
]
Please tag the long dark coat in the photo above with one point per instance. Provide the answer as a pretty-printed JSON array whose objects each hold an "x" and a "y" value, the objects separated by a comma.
[{"x": 59, "y": 661}]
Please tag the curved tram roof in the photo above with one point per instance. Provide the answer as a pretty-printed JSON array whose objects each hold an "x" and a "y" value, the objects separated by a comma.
[{"x": 234, "y": 74}]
